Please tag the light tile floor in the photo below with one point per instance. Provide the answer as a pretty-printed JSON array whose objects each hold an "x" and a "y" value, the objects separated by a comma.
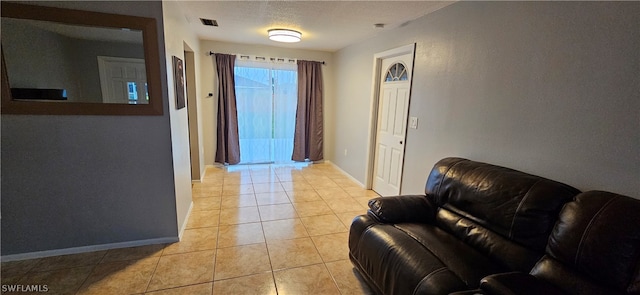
[{"x": 263, "y": 229}]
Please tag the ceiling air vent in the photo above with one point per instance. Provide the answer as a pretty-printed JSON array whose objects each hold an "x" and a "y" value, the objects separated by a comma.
[{"x": 209, "y": 22}]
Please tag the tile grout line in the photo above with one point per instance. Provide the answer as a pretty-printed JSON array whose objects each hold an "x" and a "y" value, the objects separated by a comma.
[
  {"x": 273, "y": 274},
  {"x": 93, "y": 268},
  {"x": 154, "y": 270}
]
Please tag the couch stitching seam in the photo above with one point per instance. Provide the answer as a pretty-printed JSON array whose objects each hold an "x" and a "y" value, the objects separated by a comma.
[
  {"x": 425, "y": 247},
  {"x": 588, "y": 229},
  {"x": 439, "y": 270},
  {"x": 515, "y": 215},
  {"x": 367, "y": 229},
  {"x": 445, "y": 174}
]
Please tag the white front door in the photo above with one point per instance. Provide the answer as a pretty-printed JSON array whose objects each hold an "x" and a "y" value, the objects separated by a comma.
[
  {"x": 123, "y": 80},
  {"x": 393, "y": 109}
]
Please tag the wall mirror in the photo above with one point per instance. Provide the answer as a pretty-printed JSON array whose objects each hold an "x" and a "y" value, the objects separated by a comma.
[{"x": 59, "y": 61}]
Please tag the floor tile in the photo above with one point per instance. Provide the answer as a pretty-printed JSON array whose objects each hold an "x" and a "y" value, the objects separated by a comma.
[
  {"x": 69, "y": 261},
  {"x": 239, "y": 215},
  {"x": 323, "y": 224},
  {"x": 204, "y": 218},
  {"x": 346, "y": 183},
  {"x": 61, "y": 281},
  {"x": 347, "y": 278},
  {"x": 290, "y": 176},
  {"x": 209, "y": 182},
  {"x": 207, "y": 191},
  {"x": 241, "y": 261},
  {"x": 347, "y": 217},
  {"x": 360, "y": 192},
  {"x": 332, "y": 247},
  {"x": 260, "y": 169},
  {"x": 364, "y": 201},
  {"x": 345, "y": 205},
  {"x": 120, "y": 277},
  {"x": 296, "y": 185},
  {"x": 312, "y": 208},
  {"x": 247, "y": 200},
  {"x": 272, "y": 198},
  {"x": 200, "y": 289},
  {"x": 183, "y": 269},
  {"x": 332, "y": 193},
  {"x": 252, "y": 228},
  {"x": 237, "y": 189},
  {"x": 313, "y": 279},
  {"x": 323, "y": 184},
  {"x": 284, "y": 229},
  {"x": 267, "y": 187},
  {"x": 237, "y": 179},
  {"x": 276, "y": 212},
  {"x": 262, "y": 284},
  {"x": 264, "y": 178},
  {"x": 304, "y": 196},
  {"x": 292, "y": 253},
  {"x": 240, "y": 234},
  {"x": 196, "y": 239},
  {"x": 133, "y": 253},
  {"x": 206, "y": 204},
  {"x": 12, "y": 271}
]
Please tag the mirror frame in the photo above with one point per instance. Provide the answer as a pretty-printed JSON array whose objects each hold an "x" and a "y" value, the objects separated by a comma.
[{"x": 149, "y": 30}]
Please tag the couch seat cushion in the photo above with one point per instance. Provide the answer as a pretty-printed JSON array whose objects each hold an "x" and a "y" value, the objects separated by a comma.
[{"x": 417, "y": 258}]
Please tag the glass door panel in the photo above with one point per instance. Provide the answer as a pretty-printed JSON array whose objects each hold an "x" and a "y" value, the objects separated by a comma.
[{"x": 255, "y": 114}]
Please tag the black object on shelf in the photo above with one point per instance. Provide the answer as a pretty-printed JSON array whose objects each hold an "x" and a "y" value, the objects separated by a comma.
[{"x": 39, "y": 94}]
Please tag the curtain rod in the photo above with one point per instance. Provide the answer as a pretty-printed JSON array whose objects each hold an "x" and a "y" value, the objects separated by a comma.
[{"x": 212, "y": 53}]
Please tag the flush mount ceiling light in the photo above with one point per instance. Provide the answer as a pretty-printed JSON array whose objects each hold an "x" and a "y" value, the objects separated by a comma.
[{"x": 284, "y": 35}]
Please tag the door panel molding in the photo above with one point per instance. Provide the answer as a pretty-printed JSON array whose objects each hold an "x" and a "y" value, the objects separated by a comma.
[{"x": 377, "y": 76}]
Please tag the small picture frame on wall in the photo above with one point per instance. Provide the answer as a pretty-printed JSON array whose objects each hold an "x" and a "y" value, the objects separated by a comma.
[{"x": 178, "y": 75}]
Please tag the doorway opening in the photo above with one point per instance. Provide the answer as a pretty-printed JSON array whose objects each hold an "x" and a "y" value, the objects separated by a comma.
[
  {"x": 123, "y": 80},
  {"x": 393, "y": 71},
  {"x": 197, "y": 163},
  {"x": 266, "y": 101}
]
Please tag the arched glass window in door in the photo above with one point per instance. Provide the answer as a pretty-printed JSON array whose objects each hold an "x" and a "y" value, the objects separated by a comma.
[{"x": 397, "y": 72}]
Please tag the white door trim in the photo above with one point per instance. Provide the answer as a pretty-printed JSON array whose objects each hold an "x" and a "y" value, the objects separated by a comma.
[
  {"x": 104, "y": 76},
  {"x": 373, "y": 108}
]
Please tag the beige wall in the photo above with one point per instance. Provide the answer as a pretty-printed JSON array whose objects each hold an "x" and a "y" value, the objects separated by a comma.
[
  {"x": 209, "y": 85},
  {"x": 550, "y": 88},
  {"x": 177, "y": 34}
]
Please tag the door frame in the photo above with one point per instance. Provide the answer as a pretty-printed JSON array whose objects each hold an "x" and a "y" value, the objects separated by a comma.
[
  {"x": 193, "y": 117},
  {"x": 103, "y": 67},
  {"x": 375, "y": 97}
]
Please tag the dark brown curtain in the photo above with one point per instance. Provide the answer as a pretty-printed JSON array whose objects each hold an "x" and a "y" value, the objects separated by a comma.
[
  {"x": 228, "y": 150},
  {"x": 307, "y": 141}
]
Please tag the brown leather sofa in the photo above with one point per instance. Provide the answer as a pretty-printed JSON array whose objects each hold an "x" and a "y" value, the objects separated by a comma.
[
  {"x": 594, "y": 249},
  {"x": 475, "y": 220}
]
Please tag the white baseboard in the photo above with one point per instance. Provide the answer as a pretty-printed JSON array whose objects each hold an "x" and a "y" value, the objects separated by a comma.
[
  {"x": 345, "y": 173},
  {"x": 186, "y": 220},
  {"x": 202, "y": 173},
  {"x": 85, "y": 249}
]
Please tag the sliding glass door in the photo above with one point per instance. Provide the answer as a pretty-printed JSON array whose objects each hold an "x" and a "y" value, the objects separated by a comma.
[{"x": 266, "y": 98}]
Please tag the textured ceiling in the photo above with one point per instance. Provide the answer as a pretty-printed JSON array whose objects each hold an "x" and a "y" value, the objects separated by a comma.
[{"x": 325, "y": 25}]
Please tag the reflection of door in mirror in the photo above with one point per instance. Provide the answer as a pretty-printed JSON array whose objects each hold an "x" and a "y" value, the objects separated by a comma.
[
  {"x": 123, "y": 80},
  {"x": 46, "y": 55}
]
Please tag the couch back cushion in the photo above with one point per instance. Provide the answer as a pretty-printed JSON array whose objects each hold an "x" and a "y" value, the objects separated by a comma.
[
  {"x": 518, "y": 206},
  {"x": 598, "y": 237}
]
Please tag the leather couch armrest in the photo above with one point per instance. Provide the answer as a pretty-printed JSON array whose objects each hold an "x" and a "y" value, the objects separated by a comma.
[
  {"x": 517, "y": 283},
  {"x": 399, "y": 209}
]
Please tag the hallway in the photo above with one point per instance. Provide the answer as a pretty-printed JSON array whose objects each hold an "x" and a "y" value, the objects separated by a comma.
[{"x": 261, "y": 229}]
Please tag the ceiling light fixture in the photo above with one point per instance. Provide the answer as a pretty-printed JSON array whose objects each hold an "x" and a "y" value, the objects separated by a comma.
[{"x": 284, "y": 35}]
